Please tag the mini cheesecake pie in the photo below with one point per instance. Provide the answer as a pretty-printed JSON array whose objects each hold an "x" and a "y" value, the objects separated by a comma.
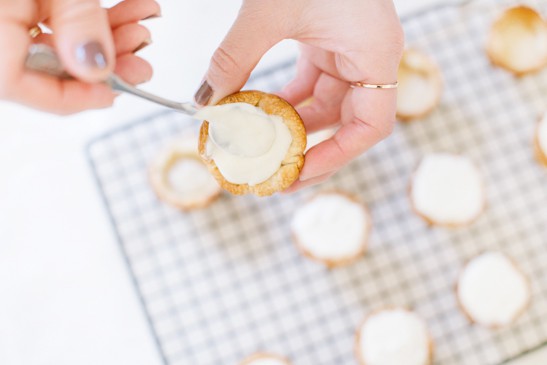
[
  {"x": 420, "y": 85},
  {"x": 252, "y": 142},
  {"x": 518, "y": 41},
  {"x": 393, "y": 337},
  {"x": 265, "y": 359},
  {"x": 540, "y": 141},
  {"x": 492, "y": 291},
  {"x": 447, "y": 190},
  {"x": 332, "y": 228},
  {"x": 180, "y": 178}
]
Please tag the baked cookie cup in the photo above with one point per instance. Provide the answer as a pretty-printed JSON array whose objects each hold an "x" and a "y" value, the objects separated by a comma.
[
  {"x": 332, "y": 228},
  {"x": 540, "y": 140},
  {"x": 265, "y": 359},
  {"x": 447, "y": 190},
  {"x": 180, "y": 178},
  {"x": 393, "y": 336},
  {"x": 492, "y": 290},
  {"x": 518, "y": 41},
  {"x": 292, "y": 163},
  {"x": 420, "y": 86}
]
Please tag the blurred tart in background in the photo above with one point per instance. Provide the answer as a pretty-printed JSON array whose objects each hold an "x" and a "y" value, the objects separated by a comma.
[
  {"x": 420, "y": 85},
  {"x": 180, "y": 178},
  {"x": 518, "y": 41},
  {"x": 332, "y": 228}
]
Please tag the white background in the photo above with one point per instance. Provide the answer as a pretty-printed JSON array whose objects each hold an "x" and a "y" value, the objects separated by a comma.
[{"x": 66, "y": 296}]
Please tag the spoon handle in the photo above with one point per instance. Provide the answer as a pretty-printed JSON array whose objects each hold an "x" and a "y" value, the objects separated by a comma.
[
  {"x": 42, "y": 58},
  {"x": 117, "y": 84}
]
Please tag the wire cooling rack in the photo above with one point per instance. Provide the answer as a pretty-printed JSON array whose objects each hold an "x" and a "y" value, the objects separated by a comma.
[{"x": 221, "y": 283}]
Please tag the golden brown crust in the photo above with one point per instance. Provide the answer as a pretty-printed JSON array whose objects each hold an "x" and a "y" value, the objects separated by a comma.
[
  {"x": 430, "y": 221},
  {"x": 291, "y": 164},
  {"x": 470, "y": 318},
  {"x": 333, "y": 263},
  {"x": 427, "y": 68},
  {"x": 264, "y": 355},
  {"x": 528, "y": 17},
  {"x": 163, "y": 162},
  {"x": 541, "y": 155},
  {"x": 357, "y": 343}
]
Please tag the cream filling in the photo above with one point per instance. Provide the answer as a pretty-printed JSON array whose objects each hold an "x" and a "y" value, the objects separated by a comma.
[
  {"x": 394, "y": 337},
  {"x": 190, "y": 180},
  {"x": 542, "y": 135},
  {"x": 331, "y": 226},
  {"x": 492, "y": 290},
  {"x": 448, "y": 189},
  {"x": 244, "y": 131}
]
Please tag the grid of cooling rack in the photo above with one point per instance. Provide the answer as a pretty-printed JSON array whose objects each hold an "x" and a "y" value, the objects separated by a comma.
[{"x": 221, "y": 283}]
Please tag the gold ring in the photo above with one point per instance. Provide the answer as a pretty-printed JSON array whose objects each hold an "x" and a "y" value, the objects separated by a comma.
[
  {"x": 35, "y": 31},
  {"x": 353, "y": 85}
]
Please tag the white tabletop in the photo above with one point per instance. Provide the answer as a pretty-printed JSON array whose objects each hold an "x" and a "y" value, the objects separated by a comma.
[{"x": 67, "y": 295}]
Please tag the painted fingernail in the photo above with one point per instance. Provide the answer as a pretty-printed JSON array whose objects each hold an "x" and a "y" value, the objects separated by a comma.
[
  {"x": 143, "y": 45},
  {"x": 91, "y": 55},
  {"x": 204, "y": 93},
  {"x": 154, "y": 16}
]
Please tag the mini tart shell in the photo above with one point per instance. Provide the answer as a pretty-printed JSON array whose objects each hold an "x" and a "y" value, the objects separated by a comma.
[
  {"x": 263, "y": 355},
  {"x": 541, "y": 155},
  {"x": 522, "y": 14},
  {"x": 428, "y": 67},
  {"x": 357, "y": 344},
  {"x": 156, "y": 175},
  {"x": 344, "y": 261},
  {"x": 294, "y": 159},
  {"x": 430, "y": 221},
  {"x": 493, "y": 327}
]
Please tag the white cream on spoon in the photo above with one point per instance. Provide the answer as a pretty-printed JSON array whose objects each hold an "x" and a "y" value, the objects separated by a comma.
[{"x": 247, "y": 144}]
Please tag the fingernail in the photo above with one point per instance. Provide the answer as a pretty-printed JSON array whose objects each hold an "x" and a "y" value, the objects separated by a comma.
[
  {"x": 143, "y": 45},
  {"x": 204, "y": 93},
  {"x": 91, "y": 55},
  {"x": 154, "y": 16}
]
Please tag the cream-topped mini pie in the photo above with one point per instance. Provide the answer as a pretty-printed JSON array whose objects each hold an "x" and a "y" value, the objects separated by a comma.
[
  {"x": 492, "y": 291},
  {"x": 180, "y": 178},
  {"x": 540, "y": 140},
  {"x": 393, "y": 337},
  {"x": 420, "y": 85},
  {"x": 258, "y": 143},
  {"x": 447, "y": 190},
  {"x": 332, "y": 228},
  {"x": 265, "y": 359},
  {"x": 518, "y": 41}
]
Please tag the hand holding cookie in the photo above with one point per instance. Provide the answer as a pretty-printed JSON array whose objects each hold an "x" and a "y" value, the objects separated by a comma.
[{"x": 338, "y": 49}]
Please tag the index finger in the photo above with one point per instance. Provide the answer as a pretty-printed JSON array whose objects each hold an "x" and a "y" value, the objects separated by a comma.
[{"x": 370, "y": 119}]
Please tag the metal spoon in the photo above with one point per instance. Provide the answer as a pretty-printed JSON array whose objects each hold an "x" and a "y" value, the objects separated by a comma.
[{"x": 42, "y": 58}]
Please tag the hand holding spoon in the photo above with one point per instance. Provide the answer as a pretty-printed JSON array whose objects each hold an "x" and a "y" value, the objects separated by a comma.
[{"x": 42, "y": 58}]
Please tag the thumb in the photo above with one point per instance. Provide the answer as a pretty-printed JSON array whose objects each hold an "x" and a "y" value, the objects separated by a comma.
[
  {"x": 83, "y": 38},
  {"x": 251, "y": 36}
]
